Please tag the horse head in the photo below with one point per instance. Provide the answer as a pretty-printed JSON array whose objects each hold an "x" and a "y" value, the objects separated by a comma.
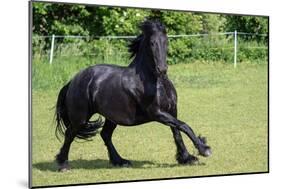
[{"x": 152, "y": 43}]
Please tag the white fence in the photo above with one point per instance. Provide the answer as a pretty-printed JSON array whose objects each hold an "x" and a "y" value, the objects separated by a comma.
[{"x": 234, "y": 34}]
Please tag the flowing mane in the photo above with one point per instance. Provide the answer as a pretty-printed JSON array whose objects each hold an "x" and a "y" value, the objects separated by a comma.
[
  {"x": 147, "y": 27},
  {"x": 134, "y": 45}
]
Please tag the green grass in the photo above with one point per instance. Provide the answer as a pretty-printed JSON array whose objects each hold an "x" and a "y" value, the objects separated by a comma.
[{"x": 227, "y": 105}]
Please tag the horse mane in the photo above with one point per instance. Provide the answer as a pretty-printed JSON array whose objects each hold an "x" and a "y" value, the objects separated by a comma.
[
  {"x": 134, "y": 45},
  {"x": 147, "y": 27}
]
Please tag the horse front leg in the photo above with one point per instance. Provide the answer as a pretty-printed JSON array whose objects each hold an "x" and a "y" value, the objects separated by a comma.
[
  {"x": 199, "y": 143},
  {"x": 182, "y": 155}
]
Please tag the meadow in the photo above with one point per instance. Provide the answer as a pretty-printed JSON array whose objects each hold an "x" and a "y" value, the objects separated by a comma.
[{"x": 229, "y": 106}]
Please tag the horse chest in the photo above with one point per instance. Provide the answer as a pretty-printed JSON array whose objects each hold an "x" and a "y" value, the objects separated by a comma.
[{"x": 165, "y": 96}]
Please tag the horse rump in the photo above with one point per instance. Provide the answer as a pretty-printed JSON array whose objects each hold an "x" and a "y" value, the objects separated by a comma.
[{"x": 86, "y": 131}]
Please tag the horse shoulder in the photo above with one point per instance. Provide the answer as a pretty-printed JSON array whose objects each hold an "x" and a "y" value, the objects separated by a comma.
[
  {"x": 170, "y": 90},
  {"x": 131, "y": 85},
  {"x": 166, "y": 98}
]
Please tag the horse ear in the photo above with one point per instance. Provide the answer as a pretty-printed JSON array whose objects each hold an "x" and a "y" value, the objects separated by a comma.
[{"x": 146, "y": 27}]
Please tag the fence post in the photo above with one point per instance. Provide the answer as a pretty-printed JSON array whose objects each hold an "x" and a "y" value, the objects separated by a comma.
[
  {"x": 52, "y": 49},
  {"x": 235, "y": 49}
]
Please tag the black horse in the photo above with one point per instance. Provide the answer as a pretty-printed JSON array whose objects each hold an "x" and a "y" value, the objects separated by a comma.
[{"x": 126, "y": 96}]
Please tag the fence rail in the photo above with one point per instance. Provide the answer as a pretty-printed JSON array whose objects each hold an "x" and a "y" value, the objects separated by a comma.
[
  {"x": 133, "y": 36},
  {"x": 235, "y": 35}
]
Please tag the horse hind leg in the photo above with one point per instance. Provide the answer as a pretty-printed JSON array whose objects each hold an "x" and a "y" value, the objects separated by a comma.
[
  {"x": 62, "y": 156},
  {"x": 82, "y": 131},
  {"x": 106, "y": 135}
]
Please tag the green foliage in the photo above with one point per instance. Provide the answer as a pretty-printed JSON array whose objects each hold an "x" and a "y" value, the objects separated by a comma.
[
  {"x": 257, "y": 52},
  {"x": 179, "y": 22},
  {"x": 66, "y": 19},
  {"x": 179, "y": 50},
  {"x": 213, "y": 23},
  {"x": 122, "y": 21},
  {"x": 248, "y": 24},
  {"x": 215, "y": 48},
  {"x": 38, "y": 47},
  {"x": 59, "y": 19}
]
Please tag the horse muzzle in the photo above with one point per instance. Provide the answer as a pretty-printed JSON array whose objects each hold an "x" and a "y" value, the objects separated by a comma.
[{"x": 161, "y": 70}]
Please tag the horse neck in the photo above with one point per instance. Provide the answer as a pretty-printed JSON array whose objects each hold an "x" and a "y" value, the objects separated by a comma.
[{"x": 141, "y": 63}]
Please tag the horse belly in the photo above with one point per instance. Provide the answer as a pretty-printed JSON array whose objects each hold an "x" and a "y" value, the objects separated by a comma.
[{"x": 119, "y": 107}]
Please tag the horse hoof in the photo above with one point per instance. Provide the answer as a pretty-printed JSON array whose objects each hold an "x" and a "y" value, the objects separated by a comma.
[
  {"x": 190, "y": 160},
  {"x": 64, "y": 168},
  {"x": 126, "y": 165},
  {"x": 206, "y": 152},
  {"x": 123, "y": 163}
]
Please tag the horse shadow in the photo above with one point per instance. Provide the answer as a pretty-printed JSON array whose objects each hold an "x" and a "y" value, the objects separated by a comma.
[{"x": 102, "y": 164}]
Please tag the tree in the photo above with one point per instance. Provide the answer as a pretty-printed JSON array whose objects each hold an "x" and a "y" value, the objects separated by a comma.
[
  {"x": 59, "y": 19},
  {"x": 213, "y": 23},
  {"x": 178, "y": 22},
  {"x": 248, "y": 24}
]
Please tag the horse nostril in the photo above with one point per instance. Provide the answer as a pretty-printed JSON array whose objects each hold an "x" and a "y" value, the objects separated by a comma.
[{"x": 163, "y": 69}]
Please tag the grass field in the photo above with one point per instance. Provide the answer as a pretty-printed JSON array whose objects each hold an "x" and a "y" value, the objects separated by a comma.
[{"x": 228, "y": 106}]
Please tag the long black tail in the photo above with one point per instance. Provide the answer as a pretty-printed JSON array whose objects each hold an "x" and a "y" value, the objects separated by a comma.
[
  {"x": 88, "y": 130},
  {"x": 62, "y": 118}
]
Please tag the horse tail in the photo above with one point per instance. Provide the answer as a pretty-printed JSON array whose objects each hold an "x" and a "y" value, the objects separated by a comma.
[
  {"x": 90, "y": 129},
  {"x": 62, "y": 118},
  {"x": 87, "y": 131}
]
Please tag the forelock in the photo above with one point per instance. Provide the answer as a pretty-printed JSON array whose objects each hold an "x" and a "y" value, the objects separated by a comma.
[{"x": 152, "y": 26}]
